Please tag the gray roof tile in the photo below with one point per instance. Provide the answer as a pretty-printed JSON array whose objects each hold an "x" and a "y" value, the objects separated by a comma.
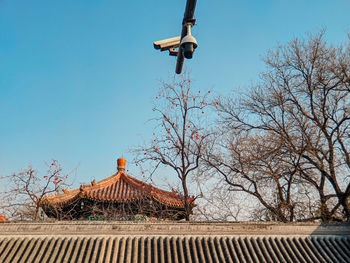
[
  {"x": 174, "y": 249},
  {"x": 173, "y": 242}
]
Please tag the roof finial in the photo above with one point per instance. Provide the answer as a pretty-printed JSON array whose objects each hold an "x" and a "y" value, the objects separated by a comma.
[{"x": 121, "y": 164}]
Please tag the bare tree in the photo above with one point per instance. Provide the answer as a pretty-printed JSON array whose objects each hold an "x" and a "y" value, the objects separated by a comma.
[
  {"x": 179, "y": 134},
  {"x": 216, "y": 202},
  {"x": 26, "y": 189},
  {"x": 290, "y": 136},
  {"x": 256, "y": 166}
]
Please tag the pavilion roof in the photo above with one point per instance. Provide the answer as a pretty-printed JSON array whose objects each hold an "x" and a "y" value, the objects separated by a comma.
[
  {"x": 119, "y": 187},
  {"x": 2, "y": 218}
]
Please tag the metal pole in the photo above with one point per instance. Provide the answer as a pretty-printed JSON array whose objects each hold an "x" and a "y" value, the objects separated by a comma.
[
  {"x": 189, "y": 11},
  {"x": 188, "y": 18}
]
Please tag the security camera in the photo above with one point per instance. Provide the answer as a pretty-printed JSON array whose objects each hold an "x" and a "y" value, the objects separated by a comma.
[
  {"x": 167, "y": 44},
  {"x": 188, "y": 43}
]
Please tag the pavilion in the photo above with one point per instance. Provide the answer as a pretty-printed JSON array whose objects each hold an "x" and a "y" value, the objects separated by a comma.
[{"x": 118, "y": 197}]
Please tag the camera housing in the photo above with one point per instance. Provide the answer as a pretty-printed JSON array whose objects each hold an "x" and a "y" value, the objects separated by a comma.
[
  {"x": 188, "y": 43},
  {"x": 167, "y": 44}
]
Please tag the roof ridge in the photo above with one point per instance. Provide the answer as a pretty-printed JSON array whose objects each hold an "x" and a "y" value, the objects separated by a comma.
[
  {"x": 103, "y": 181},
  {"x": 131, "y": 180},
  {"x": 153, "y": 188}
]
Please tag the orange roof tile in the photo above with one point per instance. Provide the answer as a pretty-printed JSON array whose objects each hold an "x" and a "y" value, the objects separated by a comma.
[
  {"x": 118, "y": 187},
  {"x": 2, "y": 218}
]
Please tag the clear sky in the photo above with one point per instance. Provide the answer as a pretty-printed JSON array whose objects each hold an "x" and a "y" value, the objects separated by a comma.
[{"x": 77, "y": 77}]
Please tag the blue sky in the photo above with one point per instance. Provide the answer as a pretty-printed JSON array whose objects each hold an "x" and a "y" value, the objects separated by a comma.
[{"x": 77, "y": 77}]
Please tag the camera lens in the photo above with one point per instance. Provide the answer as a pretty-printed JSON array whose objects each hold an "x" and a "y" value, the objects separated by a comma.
[{"x": 188, "y": 50}]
